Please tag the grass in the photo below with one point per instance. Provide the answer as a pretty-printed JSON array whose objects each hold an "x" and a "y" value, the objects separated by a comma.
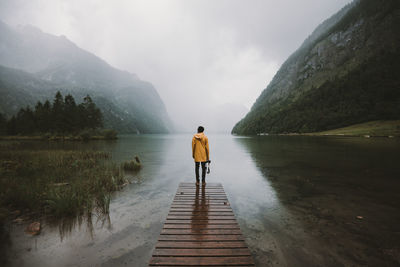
[
  {"x": 56, "y": 184},
  {"x": 372, "y": 128},
  {"x": 132, "y": 165}
]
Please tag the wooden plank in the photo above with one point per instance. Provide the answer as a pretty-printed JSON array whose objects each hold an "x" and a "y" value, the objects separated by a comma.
[
  {"x": 201, "y": 212},
  {"x": 203, "y": 201},
  {"x": 202, "y": 252},
  {"x": 184, "y": 208},
  {"x": 192, "y": 206},
  {"x": 202, "y": 238},
  {"x": 201, "y": 261},
  {"x": 168, "y": 221},
  {"x": 199, "y": 197},
  {"x": 209, "y": 203},
  {"x": 201, "y": 226},
  {"x": 200, "y": 192},
  {"x": 201, "y": 230},
  {"x": 198, "y": 231},
  {"x": 197, "y": 211},
  {"x": 211, "y": 244},
  {"x": 183, "y": 217},
  {"x": 161, "y": 265}
]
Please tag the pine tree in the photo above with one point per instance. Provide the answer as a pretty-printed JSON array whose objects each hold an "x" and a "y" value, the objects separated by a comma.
[
  {"x": 47, "y": 117},
  {"x": 3, "y": 124},
  {"x": 12, "y": 126},
  {"x": 93, "y": 116},
  {"x": 58, "y": 113},
  {"x": 70, "y": 114},
  {"x": 25, "y": 121},
  {"x": 39, "y": 116}
]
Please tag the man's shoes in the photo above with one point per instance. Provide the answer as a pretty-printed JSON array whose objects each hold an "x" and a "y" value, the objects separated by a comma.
[
  {"x": 197, "y": 183},
  {"x": 203, "y": 182}
]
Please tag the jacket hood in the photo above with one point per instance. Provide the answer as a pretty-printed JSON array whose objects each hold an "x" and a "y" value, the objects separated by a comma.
[{"x": 199, "y": 135}]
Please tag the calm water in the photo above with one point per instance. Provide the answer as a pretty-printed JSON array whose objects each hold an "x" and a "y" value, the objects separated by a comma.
[{"x": 296, "y": 199}]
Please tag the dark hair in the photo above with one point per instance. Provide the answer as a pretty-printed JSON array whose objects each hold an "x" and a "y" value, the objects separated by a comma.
[{"x": 200, "y": 129}]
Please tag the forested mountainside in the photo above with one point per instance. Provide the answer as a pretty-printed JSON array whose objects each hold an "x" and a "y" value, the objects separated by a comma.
[
  {"x": 345, "y": 72},
  {"x": 34, "y": 65}
]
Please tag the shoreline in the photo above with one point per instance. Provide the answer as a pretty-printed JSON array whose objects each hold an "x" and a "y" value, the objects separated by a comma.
[
  {"x": 52, "y": 138},
  {"x": 337, "y": 135},
  {"x": 84, "y": 136},
  {"x": 382, "y": 129}
]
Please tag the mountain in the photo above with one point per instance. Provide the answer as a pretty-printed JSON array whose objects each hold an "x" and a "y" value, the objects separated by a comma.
[
  {"x": 36, "y": 64},
  {"x": 345, "y": 72}
]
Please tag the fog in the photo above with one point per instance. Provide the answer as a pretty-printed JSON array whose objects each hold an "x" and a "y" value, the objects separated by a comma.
[{"x": 209, "y": 60}]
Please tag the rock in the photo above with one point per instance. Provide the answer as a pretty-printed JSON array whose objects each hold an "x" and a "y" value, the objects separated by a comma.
[
  {"x": 16, "y": 212},
  {"x": 60, "y": 184},
  {"x": 18, "y": 220},
  {"x": 360, "y": 217},
  {"x": 33, "y": 229}
]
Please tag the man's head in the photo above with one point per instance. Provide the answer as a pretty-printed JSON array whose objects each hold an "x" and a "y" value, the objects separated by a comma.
[{"x": 200, "y": 129}]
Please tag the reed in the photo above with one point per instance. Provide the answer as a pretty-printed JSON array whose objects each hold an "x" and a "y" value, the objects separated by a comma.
[
  {"x": 132, "y": 165},
  {"x": 57, "y": 183}
]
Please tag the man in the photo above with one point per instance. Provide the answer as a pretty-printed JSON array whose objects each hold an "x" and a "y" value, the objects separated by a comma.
[{"x": 200, "y": 153}]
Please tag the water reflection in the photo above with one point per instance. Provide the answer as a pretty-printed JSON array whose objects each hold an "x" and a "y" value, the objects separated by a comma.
[
  {"x": 67, "y": 225},
  {"x": 200, "y": 211},
  {"x": 341, "y": 193}
]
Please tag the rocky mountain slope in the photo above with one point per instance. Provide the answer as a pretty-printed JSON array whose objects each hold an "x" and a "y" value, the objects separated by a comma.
[
  {"x": 36, "y": 64},
  {"x": 345, "y": 72}
]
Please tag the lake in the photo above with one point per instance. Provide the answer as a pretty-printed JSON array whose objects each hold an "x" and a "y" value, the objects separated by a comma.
[{"x": 299, "y": 200}]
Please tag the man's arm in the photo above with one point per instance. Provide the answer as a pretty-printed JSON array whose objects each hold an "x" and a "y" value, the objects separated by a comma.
[
  {"x": 207, "y": 150},
  {"x": 193, "y": 145}
]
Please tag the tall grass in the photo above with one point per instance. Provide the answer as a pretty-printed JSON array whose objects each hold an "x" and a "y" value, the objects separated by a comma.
[
  {"x": 132, "y": 165},
  {"x": 57, "y": 183}
]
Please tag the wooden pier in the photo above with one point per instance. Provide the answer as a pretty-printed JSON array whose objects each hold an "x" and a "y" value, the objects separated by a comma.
[{"x": 201, "y": 230}]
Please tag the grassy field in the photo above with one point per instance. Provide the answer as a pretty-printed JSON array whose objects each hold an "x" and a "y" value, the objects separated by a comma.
[
  {"x": 56, "y": 184},
  {"x": 372, "y": 128}
]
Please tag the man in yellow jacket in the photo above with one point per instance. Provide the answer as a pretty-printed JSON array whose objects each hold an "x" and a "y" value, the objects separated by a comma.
[{"x": 200, "y": 153}]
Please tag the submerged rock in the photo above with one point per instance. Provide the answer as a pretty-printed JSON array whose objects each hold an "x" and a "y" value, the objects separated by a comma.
[{"x": 33, "y": 229}]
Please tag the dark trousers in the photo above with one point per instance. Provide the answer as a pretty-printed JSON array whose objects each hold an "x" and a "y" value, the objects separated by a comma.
[{"x": 203, "y": 171}]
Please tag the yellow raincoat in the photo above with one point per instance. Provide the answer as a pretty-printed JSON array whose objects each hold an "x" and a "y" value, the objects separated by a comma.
[{"x": 200, "y": 149}]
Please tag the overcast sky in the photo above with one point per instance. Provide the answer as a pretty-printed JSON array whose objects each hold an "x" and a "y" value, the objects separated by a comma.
[{"x": 198, "y": 54}]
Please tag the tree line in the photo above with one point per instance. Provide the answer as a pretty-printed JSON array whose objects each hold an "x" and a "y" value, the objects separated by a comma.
[{"x": 63, "y": 116}]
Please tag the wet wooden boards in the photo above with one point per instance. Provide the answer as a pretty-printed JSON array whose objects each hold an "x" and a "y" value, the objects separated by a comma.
[{"x": 201, "y": 230}]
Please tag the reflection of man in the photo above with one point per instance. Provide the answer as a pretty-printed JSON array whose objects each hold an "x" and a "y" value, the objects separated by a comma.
[
  {"x": 200, "y": 213},
  {"x": 200, "y": 153}
]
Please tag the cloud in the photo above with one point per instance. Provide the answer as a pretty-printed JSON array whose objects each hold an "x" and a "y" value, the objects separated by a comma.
[{"x": 199, "y": 54}]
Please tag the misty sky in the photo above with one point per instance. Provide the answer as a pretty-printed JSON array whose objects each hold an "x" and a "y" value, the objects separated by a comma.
[{"x": 198, "y": 54}]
